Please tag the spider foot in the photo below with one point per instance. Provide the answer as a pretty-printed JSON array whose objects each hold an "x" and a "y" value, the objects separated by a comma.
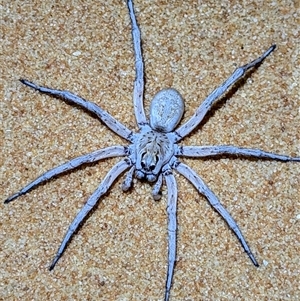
[
  {"x": 54, "y": 262},
  {"x": 254, "y": 261},
  {"x": 12, "y": 197}
]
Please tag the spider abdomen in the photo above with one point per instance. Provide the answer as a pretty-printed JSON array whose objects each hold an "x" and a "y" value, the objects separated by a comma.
[{"x": 166, "y": 110}]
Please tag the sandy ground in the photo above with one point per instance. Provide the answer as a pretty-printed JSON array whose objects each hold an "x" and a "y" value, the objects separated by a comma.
[{"x": 120, "y": 252}]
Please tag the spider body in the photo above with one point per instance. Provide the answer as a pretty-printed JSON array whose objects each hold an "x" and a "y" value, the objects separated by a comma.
[
  {"x": 153, "y": 152},
  {"x": 154, "y": 147}
]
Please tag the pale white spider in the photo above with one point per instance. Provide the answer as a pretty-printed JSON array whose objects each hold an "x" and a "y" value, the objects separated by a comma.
[{"x": 152, "y": 153}]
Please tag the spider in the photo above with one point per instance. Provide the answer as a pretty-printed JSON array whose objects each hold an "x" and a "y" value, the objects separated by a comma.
[{"x": 152, "y": 153}]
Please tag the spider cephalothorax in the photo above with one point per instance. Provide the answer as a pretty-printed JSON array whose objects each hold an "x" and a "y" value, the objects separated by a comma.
[{"x": 153, "y": 152}]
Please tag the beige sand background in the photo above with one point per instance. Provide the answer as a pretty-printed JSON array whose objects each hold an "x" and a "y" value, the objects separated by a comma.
[{"x": 120, "y": 252}]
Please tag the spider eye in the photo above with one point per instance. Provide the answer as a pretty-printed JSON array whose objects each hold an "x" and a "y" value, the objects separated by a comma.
[{"x": 147, "y": 166}]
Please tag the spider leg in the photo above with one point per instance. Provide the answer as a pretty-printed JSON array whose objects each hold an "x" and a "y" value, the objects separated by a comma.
[
  {"x": 156, "y": 188},
  {"x": 111, "y": 176},
  {"x": 172, "y": 228},
  {"x": 138, "y": 91},
  {"x": 202, "y": 110},
  {"x": 112, "y": 151},
  {"x": 199, "y": 184},
  {"x": 128, "y": 180},
  {"x": 207, "y": 151},
  {"x": 116, "y": 126}
]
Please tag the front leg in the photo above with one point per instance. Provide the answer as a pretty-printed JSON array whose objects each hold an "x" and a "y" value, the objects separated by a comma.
[
  {"x": 116, "y": 126},
  {"x": 206, "y": 105},
  {"x": 138, "y": 90}
]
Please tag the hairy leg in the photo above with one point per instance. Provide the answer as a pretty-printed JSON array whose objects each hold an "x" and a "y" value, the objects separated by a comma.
[
  {"x": 116, "y": 126},
  {"x": 89, "y": 205},
  {"x": 216, "y": 150},
  {"x": 138, "y": 91},
  {"x": 199, "y": 184},
  {"x": 172, "y": 228},
  {"x": 206, "y": 105},
  {"x": 112, "y": 151}
]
